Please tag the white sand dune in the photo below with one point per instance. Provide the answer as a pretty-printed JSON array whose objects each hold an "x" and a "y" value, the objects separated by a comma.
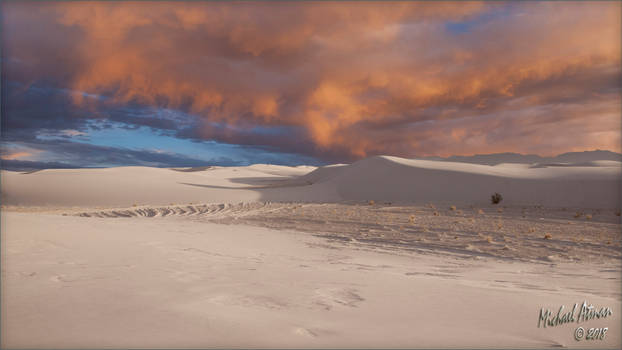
[
  {"x": 382, "y": 178},
  {"x": 596, "y": 185},
  {"x": 125, "y": 186},
  {"x": 204, "y": 257}
]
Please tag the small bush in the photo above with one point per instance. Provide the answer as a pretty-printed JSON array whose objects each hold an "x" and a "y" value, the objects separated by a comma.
[
  {"x": 452, "y": 208},
  {"x": 496, "y": 198},
  {"x": 371, "y": 202},
  {"x": 547, "y": 236},
  {"x": 588, "y": 216}
]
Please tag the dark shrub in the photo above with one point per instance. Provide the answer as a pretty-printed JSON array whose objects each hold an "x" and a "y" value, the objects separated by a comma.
[{"x": 496, "y": 198}]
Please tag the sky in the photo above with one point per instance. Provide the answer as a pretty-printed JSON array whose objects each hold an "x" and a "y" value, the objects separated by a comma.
[{"x": 94, "y": 84}]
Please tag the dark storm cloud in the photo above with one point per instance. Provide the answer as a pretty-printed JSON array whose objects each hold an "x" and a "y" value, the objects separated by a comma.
[{"x": 337, "y": 81}]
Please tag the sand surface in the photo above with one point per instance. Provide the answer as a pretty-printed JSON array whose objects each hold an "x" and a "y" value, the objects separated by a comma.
[
  {"x": 270, "y": 256},
  {"x": 589, "y": 184}
]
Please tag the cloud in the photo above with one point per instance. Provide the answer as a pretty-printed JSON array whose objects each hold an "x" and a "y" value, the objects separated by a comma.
[
  {"x": 73, "y": 133},
  {"x": 71, "y": 154},
  {"x": 27, "y": 165},
  {"x": 337, "y": 81},
  {"x": 18, "y": 152},
  {"x": 15, "y": 155}
]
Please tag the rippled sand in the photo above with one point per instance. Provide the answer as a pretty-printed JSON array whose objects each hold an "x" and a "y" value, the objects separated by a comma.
[{"x": 521, "y": 233}]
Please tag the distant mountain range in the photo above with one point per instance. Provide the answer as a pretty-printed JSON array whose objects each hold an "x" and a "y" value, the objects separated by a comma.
[{"x": 498, "y": 158}]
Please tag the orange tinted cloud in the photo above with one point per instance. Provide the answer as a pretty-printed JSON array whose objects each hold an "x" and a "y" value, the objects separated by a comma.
[
  {"x": 16, "y": 155},
  {"x": 361, "y": 78}
]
